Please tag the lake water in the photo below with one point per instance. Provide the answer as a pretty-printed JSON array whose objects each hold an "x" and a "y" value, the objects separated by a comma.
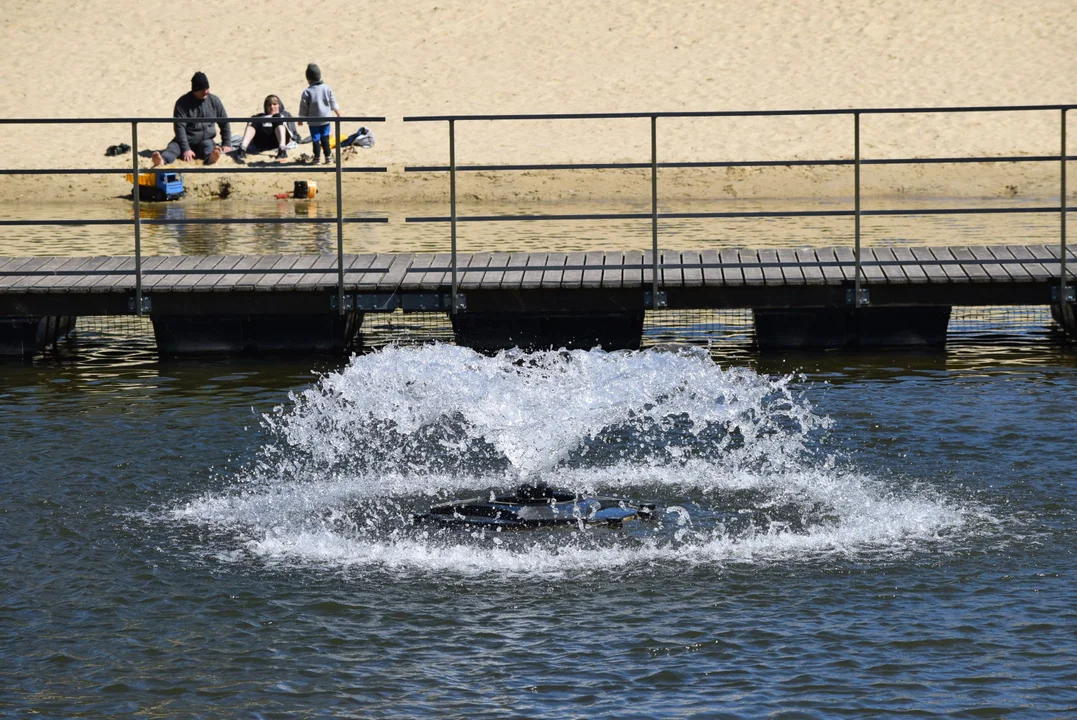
[
  {"x": 838, "y": 535},
  {"x": 400, "y": 235},
  {"x": 865, "y": 534}
]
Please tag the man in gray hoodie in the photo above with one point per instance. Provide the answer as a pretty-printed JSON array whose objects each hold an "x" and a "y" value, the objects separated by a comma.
[{"x": 195, "y": 139}]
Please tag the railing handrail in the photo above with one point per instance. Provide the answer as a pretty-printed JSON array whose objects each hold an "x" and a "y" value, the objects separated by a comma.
[
  {"x": 857, "y": 161},
  {"x": 135, "y": 170},
  {"x": 182, "y": 121},
  {"x": 743, "y": 113},
  {"x": 654, "y": 165}
]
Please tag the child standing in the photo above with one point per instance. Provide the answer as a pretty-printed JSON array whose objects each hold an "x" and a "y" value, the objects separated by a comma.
[{"x": 318, "y": 101}]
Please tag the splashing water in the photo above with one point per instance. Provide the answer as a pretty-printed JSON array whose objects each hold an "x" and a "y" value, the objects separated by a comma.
[{"x": 737, "y": 458}]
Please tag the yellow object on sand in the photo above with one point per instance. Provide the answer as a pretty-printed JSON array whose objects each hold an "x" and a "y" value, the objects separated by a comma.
[{"x": 147, "y": 179}]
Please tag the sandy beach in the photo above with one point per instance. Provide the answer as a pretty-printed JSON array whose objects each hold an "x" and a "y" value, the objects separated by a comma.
[{"x": 420, "y": 57}]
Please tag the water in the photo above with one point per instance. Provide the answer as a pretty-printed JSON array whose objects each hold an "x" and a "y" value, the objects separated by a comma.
[
  {"x": 838, "y": 535},
  {"x": 398, "y": 235}
]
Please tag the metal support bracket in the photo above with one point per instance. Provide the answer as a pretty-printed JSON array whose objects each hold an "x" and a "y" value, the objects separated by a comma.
[
  {"x": 349, "y": 302},
  {"x": 658, "y": 302},
  {"x": 850, "y": 296},
  {"x": 147, "y": 304},
  {"x": 1070, "y": 294},
  {"x": 432, "y": 302},
  {"x": 377, "y": 302}
]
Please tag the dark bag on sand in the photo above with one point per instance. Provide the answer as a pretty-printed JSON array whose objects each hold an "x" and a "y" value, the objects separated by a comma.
[{"x": 114, "y": 150}]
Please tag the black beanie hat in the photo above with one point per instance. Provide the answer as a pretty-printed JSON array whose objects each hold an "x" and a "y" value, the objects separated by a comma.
[
  {"x": 199, "y": 81},
  {"x": 314, "y": 73}
]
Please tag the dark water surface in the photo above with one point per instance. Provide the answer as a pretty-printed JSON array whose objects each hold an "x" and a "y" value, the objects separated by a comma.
[{"x": 838, "y": 535}]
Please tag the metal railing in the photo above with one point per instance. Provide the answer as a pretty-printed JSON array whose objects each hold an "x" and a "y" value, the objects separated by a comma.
[
  {"x": 857, "y": 212},
  {"x": 136, "y": 171}
]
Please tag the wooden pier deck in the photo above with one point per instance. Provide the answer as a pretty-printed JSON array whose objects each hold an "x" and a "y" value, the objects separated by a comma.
[
  {"x": 799, "y": 296},
  {"x": 705, "y": 278}
]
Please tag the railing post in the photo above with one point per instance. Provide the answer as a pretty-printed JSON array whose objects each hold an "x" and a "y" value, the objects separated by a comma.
[
  {"x": 654, "y": 212},
  {"x": 452, "y": 206},
  {"x": 1062, "y": 204},
  {"x": 856, "y": 212},
  {"x": 138, "y": 218},
  {"x": 340, "y": 225}
]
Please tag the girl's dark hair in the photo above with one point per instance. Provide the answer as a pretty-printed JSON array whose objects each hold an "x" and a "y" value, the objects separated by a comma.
[{"x": 270, "y": 99}]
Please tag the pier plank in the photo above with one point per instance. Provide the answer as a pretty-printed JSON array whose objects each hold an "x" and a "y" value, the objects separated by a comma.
[
  {"x": 493, "y": 277},
  {"x": 116, "y": 267},
  {"x": 791, "y": 269},
  {"x": 50, "y": 283},
  {"x": 249, "y": 281},
  {"x": 1048, "y": 257},
  {"x": 416, "y": 271},
  {"x": 573, "y": 278},
  {"x": 1035, "y": 270},
  {"x": 87, "y": 264},
  {"x": 933, "y": 270},
  {"x": 869, "y": 266},
  {"x": 909, "y": 265},
  {"x": 228, "y": 281},
  {"x": 813, "y": 274},
  {"x": 513, "y": 278},
  {"x": 970, "y": 264},
  {"x": 887, "y": 264},
  {"x": 398, "y": 270},
  {"x": 772, "y": 275},
  {"x": 994, "y": 271},
  {"x": 693, "y": 274},
  {"x": 379, "y": 266},
  {"x": 318, "y": 273},
  {"x": 847, "y": 259},
  {"x": 552, "y": 278},
  {"x": 592, "y": 275},
  {"x": 186, "y": 264},
  {"x": 1016, "y": 271},
  {"x": 125, "y": 278},
  {"x": 533, "y": 278},
  {"x": 732, "y": 272},
  {"x": 270, "y": 281},
  {"x": 472, "y": 280},
  {"x": 634, "y": 277},
  {"x": 209, "y": 282},
  {"x": 150, "y": 282},
  {"x": 27, "y": 283},
  {"x": 18, "y": 282},
  {"x": 673, "y": 276},
  {"x": 354, "y": 280},
  {"x": 193, "y": 281},
  {"x": 613, "y": 269},
  {"x": 954, "y": 272},
  {"x": 15, "y": 265},
  {"x": 749, "y": 260},
  {"x": 712, "y": 276},
  {"x": 437, "y": 279},
  {"x": 832, "y": 273}
]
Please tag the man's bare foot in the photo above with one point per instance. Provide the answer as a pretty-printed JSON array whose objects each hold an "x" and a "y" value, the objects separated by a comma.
[
  {"x": 157, "y": 159},
  {"x": 214, "y": 156}
]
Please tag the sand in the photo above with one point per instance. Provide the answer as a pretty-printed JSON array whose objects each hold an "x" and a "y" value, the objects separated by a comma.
[{"x": 101, "y": 59}]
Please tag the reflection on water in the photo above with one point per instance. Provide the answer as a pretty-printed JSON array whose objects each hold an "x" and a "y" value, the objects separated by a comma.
[{"x": 398, "y": 235}]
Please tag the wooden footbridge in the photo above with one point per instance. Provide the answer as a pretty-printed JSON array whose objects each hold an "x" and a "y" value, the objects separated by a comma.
[{"x": 800, "y": 297}]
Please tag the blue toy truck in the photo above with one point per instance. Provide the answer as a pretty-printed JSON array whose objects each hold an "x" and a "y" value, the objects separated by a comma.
[{"x": 158, "y": 185}]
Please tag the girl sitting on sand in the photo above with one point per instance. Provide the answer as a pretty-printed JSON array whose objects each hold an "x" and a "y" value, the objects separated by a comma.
[{"x": 275, "y": 132}]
